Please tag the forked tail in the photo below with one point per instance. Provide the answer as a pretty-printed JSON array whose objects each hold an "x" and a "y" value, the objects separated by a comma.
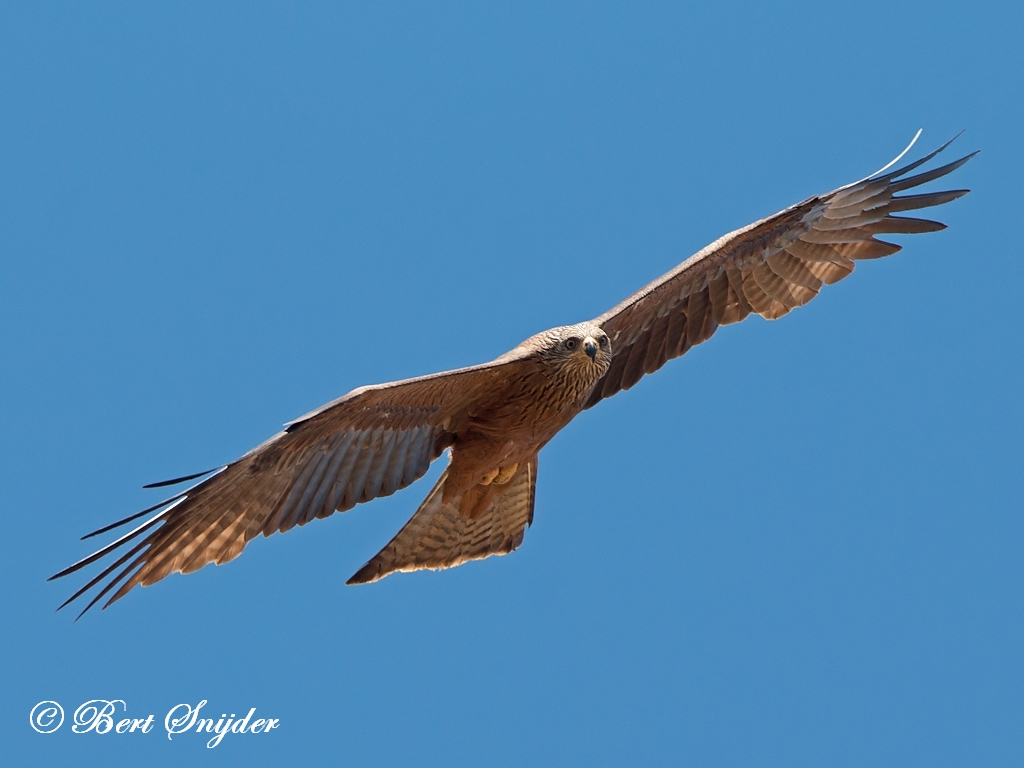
[{"x": 439, "y": 535}]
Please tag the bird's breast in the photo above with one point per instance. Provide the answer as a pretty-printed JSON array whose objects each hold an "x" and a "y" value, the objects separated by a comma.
[
  {"x": 512, "y": 426},
  {"x": 530, "y": 410}
]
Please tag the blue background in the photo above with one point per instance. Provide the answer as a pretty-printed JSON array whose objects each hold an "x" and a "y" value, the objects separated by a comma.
[{"x": 800, "y": 545}]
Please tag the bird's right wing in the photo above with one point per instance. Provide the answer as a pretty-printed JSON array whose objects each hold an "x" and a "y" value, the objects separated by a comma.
[
  {"x": 767, "y": 268},
  {"x": 369, "y": 443}
]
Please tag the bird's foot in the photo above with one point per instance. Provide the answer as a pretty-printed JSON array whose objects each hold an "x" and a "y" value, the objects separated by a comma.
[
  {"x": 499, "y": 476},
  {"x": 505, "y": 474}
]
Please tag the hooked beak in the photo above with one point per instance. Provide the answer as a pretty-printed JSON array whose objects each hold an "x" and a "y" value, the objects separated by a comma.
[{"x": 590, "y": 347}]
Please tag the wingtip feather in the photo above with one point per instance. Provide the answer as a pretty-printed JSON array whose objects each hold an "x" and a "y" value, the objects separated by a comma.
[{"x": 183, "y": 479}]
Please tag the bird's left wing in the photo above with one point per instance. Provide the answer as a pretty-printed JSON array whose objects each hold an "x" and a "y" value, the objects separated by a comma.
[
  {"x": 767, "y": 268},
  {"x": 369, "y": 443}
]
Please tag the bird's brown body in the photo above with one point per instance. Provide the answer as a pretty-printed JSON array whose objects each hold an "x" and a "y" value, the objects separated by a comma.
[
  {"x": 496, "y": 417},
  {"x": 511, "y": 425}
]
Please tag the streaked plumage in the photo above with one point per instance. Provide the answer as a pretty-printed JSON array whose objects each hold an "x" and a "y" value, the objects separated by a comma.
[{"x": 496, "y": 417}]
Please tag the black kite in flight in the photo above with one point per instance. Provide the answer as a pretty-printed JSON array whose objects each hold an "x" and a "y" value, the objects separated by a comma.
[{"x": 496, "y": 417}]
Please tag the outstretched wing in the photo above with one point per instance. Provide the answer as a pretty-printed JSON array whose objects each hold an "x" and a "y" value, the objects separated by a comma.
[
  {"x": 440, "y": 536},
  {"x": 369, "y": 443},
  {"x": 767, "y": 268}
]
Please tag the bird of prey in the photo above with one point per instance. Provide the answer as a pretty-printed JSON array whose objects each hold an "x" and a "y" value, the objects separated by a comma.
[{"x": 495, "y": 418}]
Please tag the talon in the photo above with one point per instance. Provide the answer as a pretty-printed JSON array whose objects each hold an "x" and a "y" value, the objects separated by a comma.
[
  {"x": 489, "y": 477},
  {"x": 505, "y": 474}
]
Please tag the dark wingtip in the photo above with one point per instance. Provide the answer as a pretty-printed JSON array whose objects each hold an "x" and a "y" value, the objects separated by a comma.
[
  {"x": 137, "y": 515},
  {"x": 176, "y": 497},
  {"x": 119, "y": 523},
  {"x": 61, "y": 574},
  {"x": 175, "y": 481},
  {"x": 886, "y": 173}
]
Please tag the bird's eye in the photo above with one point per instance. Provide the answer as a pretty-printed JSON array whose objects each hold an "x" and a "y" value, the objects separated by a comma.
[
  {"x": 603, "y": 341},
  {"x": 571, "y": 343}
]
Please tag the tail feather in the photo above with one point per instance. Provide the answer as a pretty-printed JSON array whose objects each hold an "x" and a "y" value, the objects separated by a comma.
[{"x": 441, "y": 535}]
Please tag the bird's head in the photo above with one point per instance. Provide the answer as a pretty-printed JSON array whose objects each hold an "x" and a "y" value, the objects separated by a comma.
[{"x": 584, "y": 348}]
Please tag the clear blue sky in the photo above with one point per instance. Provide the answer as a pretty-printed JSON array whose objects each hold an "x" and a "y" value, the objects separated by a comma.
[{"x": 799, "y": 545}]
